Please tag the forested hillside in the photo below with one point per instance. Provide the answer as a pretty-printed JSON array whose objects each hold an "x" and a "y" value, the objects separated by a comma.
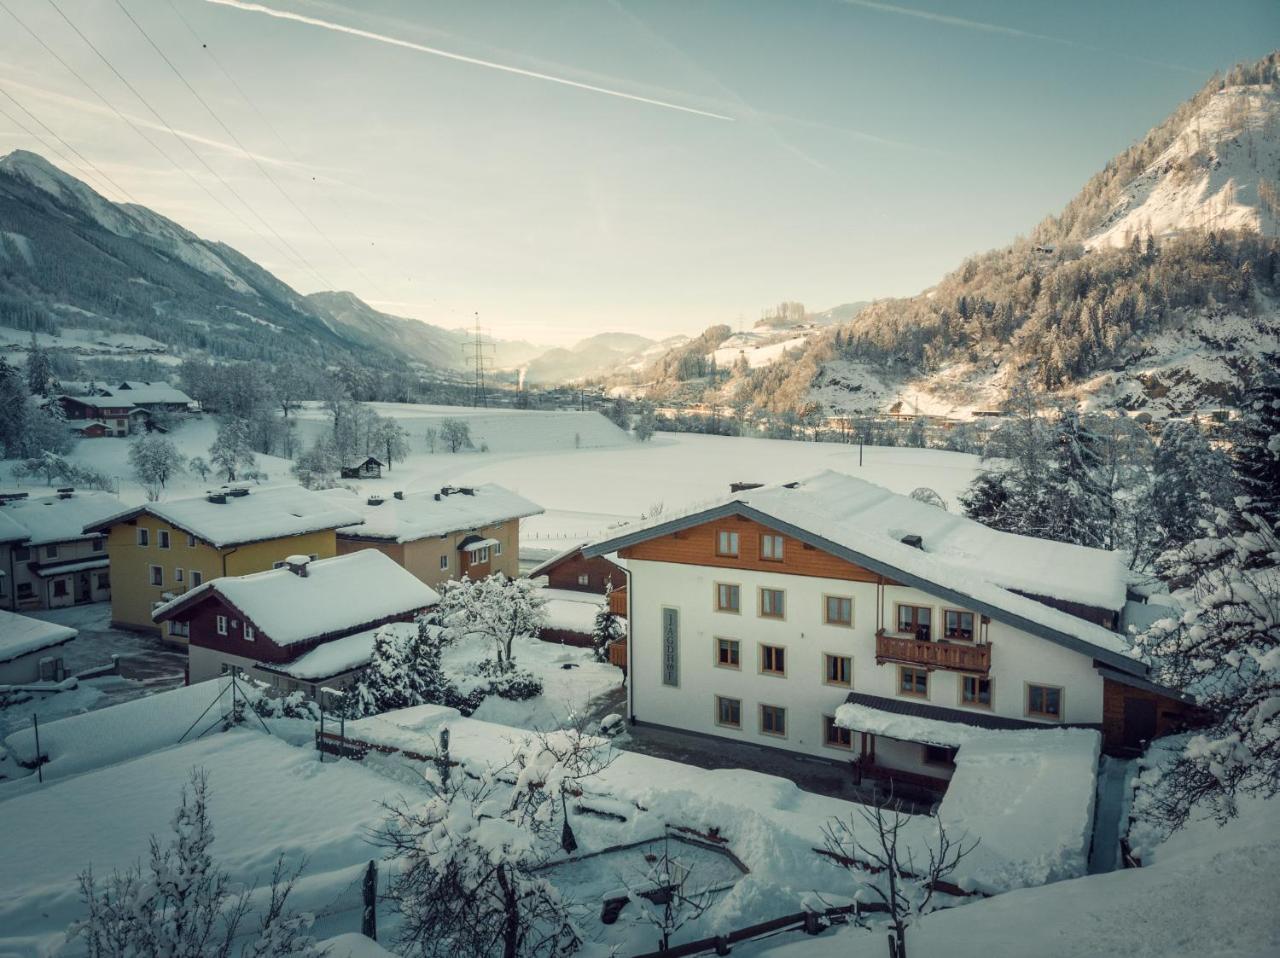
[{"x": 1155, "y": 288}]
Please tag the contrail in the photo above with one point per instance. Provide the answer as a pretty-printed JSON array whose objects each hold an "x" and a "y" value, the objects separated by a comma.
[
  {"x": 997, "y": 28},
  {"x": 461, "y": 58}
]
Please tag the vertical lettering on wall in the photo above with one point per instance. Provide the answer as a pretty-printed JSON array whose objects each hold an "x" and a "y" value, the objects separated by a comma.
[{"x": 670, "y": 646}]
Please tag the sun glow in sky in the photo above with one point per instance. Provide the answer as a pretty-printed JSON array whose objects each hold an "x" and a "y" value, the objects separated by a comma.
[{"x": 567, "y": 168}]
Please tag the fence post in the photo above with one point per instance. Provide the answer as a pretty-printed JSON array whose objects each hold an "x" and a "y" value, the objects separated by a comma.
[
  {"x": 35, "y": 722},
  {"x": 320, "y": 699},
  {"x": 369, "y": 917}
]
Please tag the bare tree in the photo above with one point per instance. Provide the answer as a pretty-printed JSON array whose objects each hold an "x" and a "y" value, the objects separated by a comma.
[
  {"x": 903, "y": 872},
  {"x": 668, "y": 897}
]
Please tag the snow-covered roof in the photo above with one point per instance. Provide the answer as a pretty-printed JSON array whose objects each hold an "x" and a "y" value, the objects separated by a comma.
[
  {"x": 421, "y": 514},
  {"x": 264, "y": 513},
  {"x": 958, "y": 558},
  {"x": 49, "y": 519},
  {"x": 98, "y": 400},
  {"x": 927, "y": 724},
  {"x": 336, "y": 596},
  {"x": 20, "y": 635},
  {"x": 145, "y": 393},
  {"x": 338, "y": 656},
  {"x": 65, "y": 568},
  {"x": 11, "y": 530}
]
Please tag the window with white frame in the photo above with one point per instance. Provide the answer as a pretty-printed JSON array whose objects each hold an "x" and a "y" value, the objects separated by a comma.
[
  {"x": 444, "y": 561},
  {"x": 156, "y": 574},
  {"x": 250, "y": 633},
  {"x": 164, "y": 538},
  {"x": 220, "y": 623},
  {"x": 144, "y": 536},
  {"x": 196, "y": 578},
  {"x": 584, "y": 579},
  {"x": 178, "y": 575}
]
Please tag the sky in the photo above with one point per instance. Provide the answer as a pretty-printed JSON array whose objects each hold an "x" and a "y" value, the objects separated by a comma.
[{"x": 569, "y": 167}]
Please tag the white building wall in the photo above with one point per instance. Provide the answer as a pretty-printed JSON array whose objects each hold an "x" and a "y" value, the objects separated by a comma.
[
  {"x": 1016, "y": 658},
  {"x": 204, "y": 663}
]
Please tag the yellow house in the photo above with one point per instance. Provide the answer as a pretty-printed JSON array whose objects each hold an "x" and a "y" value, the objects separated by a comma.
[{"x": 162, "y": 549}]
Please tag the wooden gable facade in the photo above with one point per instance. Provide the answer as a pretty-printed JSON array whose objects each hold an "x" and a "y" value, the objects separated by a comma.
[
  {"x": 577, "y": 573},
  {"x": 701, "y": 545}
]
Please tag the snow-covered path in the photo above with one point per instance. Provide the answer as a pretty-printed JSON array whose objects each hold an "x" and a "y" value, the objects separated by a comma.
[{"x": 1104, "y": 853}]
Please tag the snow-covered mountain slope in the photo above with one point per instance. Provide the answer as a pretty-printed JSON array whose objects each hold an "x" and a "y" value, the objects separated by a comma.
[
  {"x": 1209, "y": 176},
  {"x": 1157, "y": 288},
  {"x": 67, "y": 253}
]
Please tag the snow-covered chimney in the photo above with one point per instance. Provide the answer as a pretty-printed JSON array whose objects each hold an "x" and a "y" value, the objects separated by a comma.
[
  {"x": 375, "y": 500},
  {"x": 219, "y": 498},
  {"x": 298, "y": 565},
  {"x": 916, "y": 542},
  {"x": 399, "y": 493}
]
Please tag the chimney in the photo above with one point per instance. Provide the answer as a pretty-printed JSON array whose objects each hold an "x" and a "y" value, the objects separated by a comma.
[
  {"x": 218, "y": 498},
  {"x": 744, "y": 486},
  {"x": 298, "y": 565},
  {"x": 239, "y": 491},
  {"x": 466, "y": 491},
  {"x": 375, "y": 500},
  {"x": 399, "y": 494},
  {"x": 916, "y": 542},
  {"x": 437, "y": 497},
  {"x": 66, "y": 493}
]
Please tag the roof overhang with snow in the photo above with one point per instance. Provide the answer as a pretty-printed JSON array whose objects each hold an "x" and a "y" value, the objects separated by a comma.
[
  {"x": 735, "y": 507},
  {"x": 927, "y": 724}
]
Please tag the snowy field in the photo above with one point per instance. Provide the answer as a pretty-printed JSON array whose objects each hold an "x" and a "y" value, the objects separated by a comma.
[{"x": 588, "y": 486}]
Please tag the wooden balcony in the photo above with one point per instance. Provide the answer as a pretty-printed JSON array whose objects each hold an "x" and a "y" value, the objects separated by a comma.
[
  {"x": 618, "y": 601},
  {"x": 956, "y": 656}
]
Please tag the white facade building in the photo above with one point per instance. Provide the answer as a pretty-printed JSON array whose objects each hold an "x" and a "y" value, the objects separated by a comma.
[{"x": 757, "y": 619}]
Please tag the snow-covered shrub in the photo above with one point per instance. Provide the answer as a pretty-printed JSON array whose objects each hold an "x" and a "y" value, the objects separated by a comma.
[
  {"x": 181, "y": 904},
  {"x": 508, "y": 682},
  {"x": 406, "y": 670}
]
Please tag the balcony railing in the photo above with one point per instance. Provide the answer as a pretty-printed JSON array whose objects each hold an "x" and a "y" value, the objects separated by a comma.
[
  {"x": 618, "y": 601},
  {"x": 957, "y": 656}
]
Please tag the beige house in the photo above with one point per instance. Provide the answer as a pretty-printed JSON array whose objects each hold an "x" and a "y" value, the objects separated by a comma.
[
  {"x": 439, "y": 535},
  {"x": 47, "y": 559}
]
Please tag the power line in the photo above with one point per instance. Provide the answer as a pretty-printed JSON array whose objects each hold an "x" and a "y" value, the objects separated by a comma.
[
  {"x": 133, "y": 126},
  {"x": 235, "y": 139},
  {"x": 274, "y": 132},
  {"x": 83, "y": 159},
  {"x": 168, "y": 126}
]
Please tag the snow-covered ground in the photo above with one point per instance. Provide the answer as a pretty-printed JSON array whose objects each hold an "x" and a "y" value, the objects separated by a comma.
[
  {"x": 102, "y": 800},
  {"x": 586, "y": 488},
  {"x": 1210, "y": 892}
]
